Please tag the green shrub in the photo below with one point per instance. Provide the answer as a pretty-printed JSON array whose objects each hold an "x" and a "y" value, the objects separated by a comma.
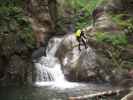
[
  {"x": 13, "y": 20},
  {"x": 115, "y": 40}
]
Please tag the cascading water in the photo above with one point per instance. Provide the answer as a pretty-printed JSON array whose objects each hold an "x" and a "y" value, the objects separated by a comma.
[{"x": 48, "y": 69}]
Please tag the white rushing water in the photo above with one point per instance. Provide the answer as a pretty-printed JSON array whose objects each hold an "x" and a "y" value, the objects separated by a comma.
[{"x": 48, "y": 69}]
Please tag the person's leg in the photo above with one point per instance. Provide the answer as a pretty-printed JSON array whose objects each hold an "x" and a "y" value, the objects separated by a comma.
[
  {"x": 78, "y": 39},
  {"x": 84, "y": 42}
]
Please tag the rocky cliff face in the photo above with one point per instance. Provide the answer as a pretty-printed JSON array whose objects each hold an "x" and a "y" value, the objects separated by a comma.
[
  {"x": 42, "y": 16},
  {"x": 15, "y": 54},
  {"x": 15, "y": 63},
  {"x": 43, "y": 12},
  {"x": 120, "y": 5},
  {"x": 112, "y": 60},
  {"x": 103, "y": 62}
]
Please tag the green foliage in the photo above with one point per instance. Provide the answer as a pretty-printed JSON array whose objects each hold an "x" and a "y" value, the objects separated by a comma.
[
  {"x": 81, "y": 10},
  {"x": 84, "y": 9},
  {"x": 8, "y": 18},
  {"x": 124, "y": 21},
  {"x": 9, "y": 3},
  {"x": 27, "y": 35},
  {"x": 117, "y": 39},
  {"x": 13, "y": 20},
  {"x": 84, "y": 5}
]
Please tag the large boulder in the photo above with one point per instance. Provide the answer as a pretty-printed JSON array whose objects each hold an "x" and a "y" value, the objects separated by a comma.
[{"x": 77, "y": 65}]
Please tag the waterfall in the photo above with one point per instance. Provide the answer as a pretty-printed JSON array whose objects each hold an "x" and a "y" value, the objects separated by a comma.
[{"x": 48, "y": 69}]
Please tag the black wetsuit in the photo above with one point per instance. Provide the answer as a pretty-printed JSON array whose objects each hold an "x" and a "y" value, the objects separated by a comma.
[{"x": 81, "y": 40}]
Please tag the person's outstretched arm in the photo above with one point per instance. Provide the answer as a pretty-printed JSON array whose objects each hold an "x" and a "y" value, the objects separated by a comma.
[{"x": 84, "y": 35}]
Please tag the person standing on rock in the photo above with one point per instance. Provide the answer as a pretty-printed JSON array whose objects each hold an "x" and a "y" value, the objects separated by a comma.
[{"x": 81, "y": 38}]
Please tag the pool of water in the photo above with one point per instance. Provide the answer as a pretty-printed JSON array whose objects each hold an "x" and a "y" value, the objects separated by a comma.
[
  {"x": 30, "y": 93},
  {"x": 50, "y": 93}
]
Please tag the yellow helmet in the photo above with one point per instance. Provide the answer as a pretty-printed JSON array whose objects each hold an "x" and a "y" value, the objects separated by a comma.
[{"x": 78, "y": 33}]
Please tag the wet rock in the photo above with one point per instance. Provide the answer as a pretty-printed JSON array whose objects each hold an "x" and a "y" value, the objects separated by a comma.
[
  {"x": 39, "y": 53},
  {"x": 2, "y": 67},
  {"x": 128, "y": 96},
  {"x": 15, "y": 70},
  {"x": 18, "y": 71},
  {"x": 86, "y": 65}
]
